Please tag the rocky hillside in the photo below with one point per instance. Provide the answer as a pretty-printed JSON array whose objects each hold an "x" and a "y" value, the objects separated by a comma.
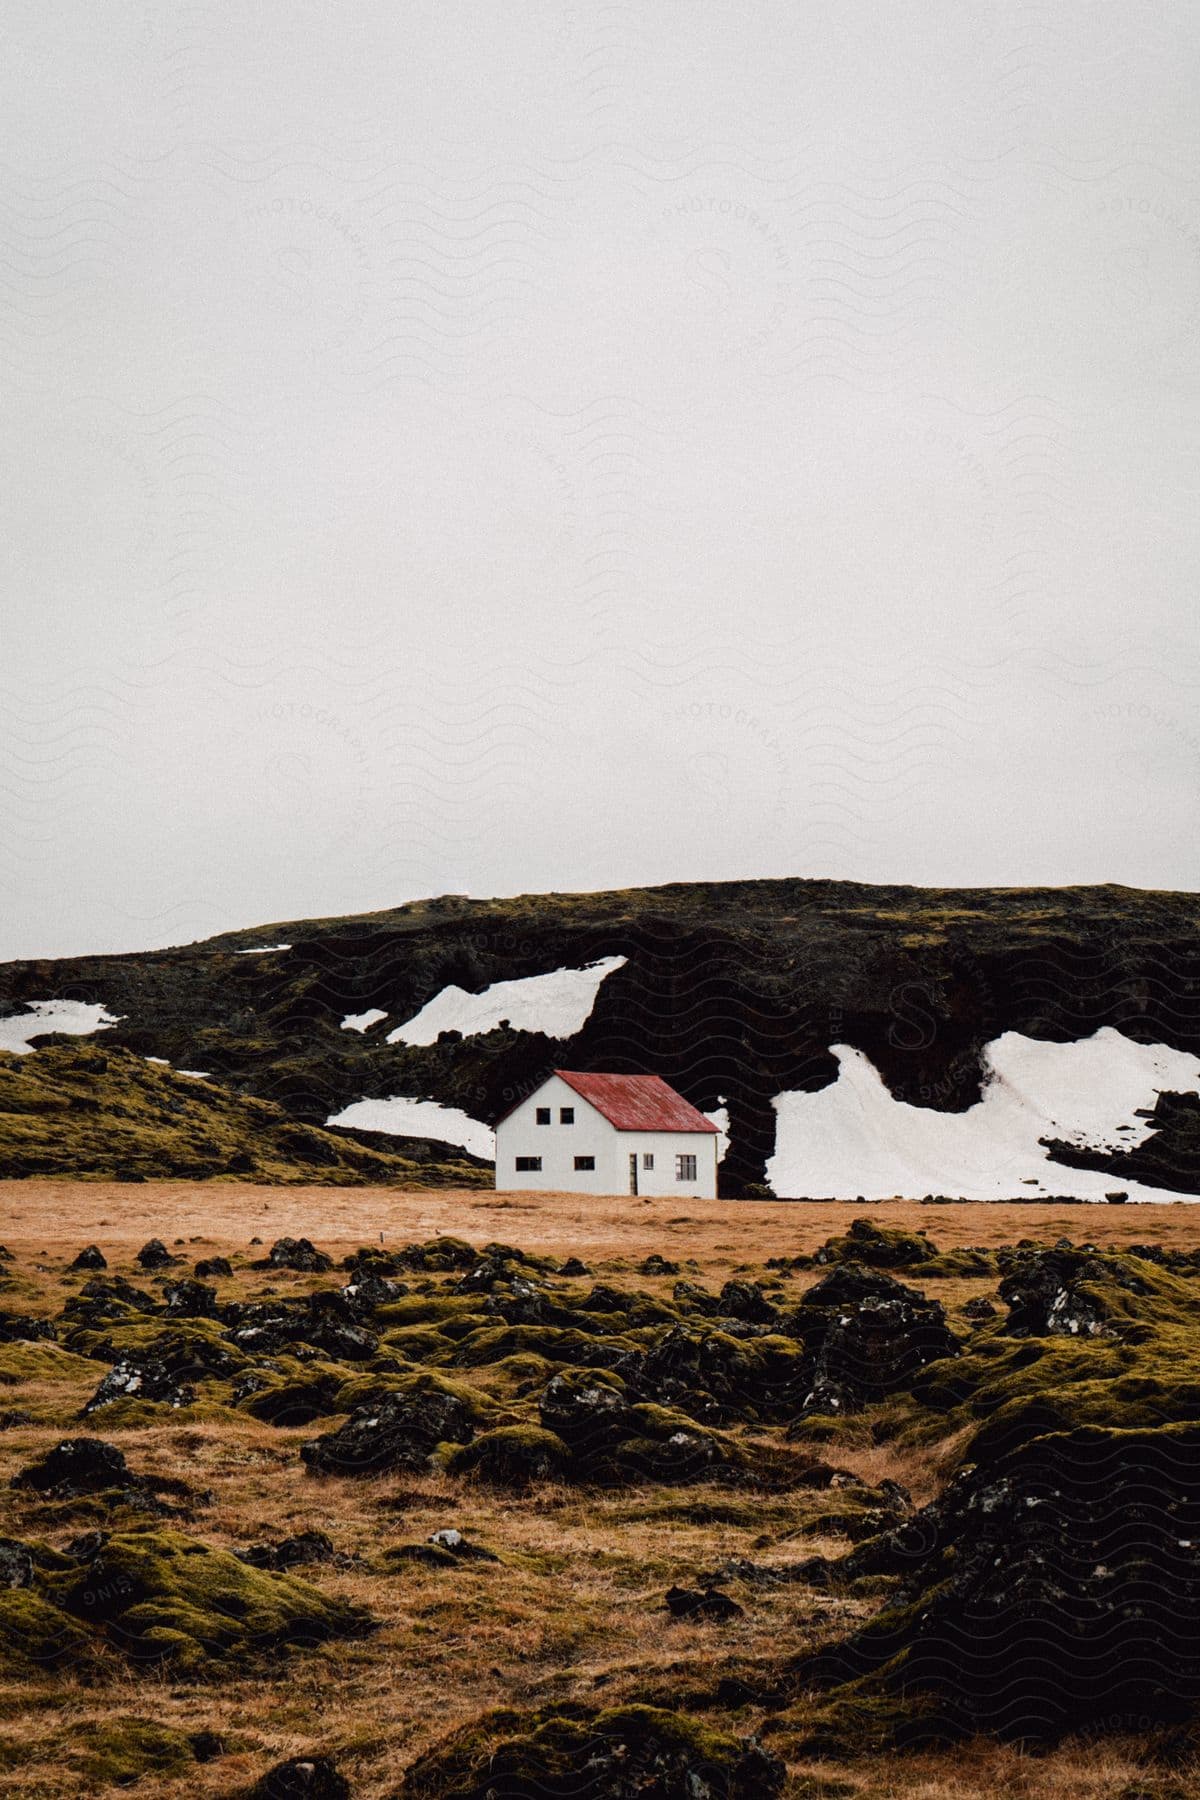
[
  {"x": 97, "y": 1111},
  {"x": 734, "y": 992}
]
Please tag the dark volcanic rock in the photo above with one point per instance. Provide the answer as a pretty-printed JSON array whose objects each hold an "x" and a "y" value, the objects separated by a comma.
[
  {"x": 288, "y": 1402},
  {"x": 108, "y": 1297},
  {"x": 84, "y": 1465},
  {"x": 401, "y": 1432},
  {"x": 516, "y": 1457},
  {"x": 702, "y": 1603},
  {"x": 1047, "y": 1291},
  {"x": 979, "y": 1308},
  {"x": 91, "y": 1258},
  {"x": 16, "y": 1564},
  {"x": 155, "y": 1255},
  {"x": 585, "y": 1411},
  {"x": 15, "y": 1328},
  {"x": 630, "y": 1753},
  {"x": 442, "y": 1550},
  {"x": 141, "y": 1377},
  {"x": 302, "y": 1778},
  {"x": 865, "y": 1242},
  {"x": 210, "y": 1267},
  {"x": 290, "y": 1553},
  {"x": 745, "y": 1300},
  {"x": 295, "y": 1253},
  {"x": 189, "y": 1299},
  {"x": 866, "y": 1336},
  {"x": 1057, "y": 1590}
]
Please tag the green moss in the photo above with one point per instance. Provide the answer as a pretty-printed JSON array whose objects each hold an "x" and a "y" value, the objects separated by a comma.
[
  {"x": 554, "y": 1344},
  {"x": 162, "y": 1597},
  {"x": 103, "y": 1112},
  {"x": 366, "y": 1389},
  {"x": 566, "y": 1752},
  {"x": 512, "y": 1456},
  {"x": 33, "y": 1631},
  {"x": 29, "y": 1361},
  {"x": 118, "y": 1752}
]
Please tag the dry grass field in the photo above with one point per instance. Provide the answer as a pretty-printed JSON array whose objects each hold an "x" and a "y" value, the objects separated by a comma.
[{"x": 573, "y": 1609}]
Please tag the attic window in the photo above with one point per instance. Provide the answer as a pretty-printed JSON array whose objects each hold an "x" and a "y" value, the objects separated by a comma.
[
  {"x": 566, "y": 1115},
  {"x": 543, "y": 1115}
]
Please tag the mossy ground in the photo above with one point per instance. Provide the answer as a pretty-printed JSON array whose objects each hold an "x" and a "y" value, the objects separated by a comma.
[
  {"x": 100, "y": 1112},
  {"x": 572, "y": 1616}
]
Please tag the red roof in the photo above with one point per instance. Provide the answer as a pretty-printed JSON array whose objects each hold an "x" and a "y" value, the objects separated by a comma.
[{"x": 636, "y": 1102}]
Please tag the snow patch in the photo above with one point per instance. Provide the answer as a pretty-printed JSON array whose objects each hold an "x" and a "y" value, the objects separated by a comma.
[
  {"x": 558, "y": 1004},
  {"x": 261, "y": 949},
  {"x": 720, "y": 1118},
  {"x": 75, "y": 1017},
  {"x": 360, "y": 1021},
  {"x": 853, "y": 1138},
  {"x": 401, "y": 1116}
]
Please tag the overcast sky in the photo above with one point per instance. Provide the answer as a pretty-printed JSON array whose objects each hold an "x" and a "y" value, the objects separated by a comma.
[{"x": 534, "y": 446}]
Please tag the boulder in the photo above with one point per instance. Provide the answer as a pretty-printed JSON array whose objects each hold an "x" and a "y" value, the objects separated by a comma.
[
  {"x": 702, "y": 1603},
  {"x": 401, "y": 1432},
  {"x": 515, "y": 1457},
  {"x": 878, "y": 1248},
  {"x": 1060, "y": 1292},
  {"x": 746, "y": 1301},
  {"x": 189, "y": 1299},
  {"x": 290, "y": 1552},
  {"x": 90, "y": 1258},
  {"x": 83, "y": 1465},
  {"x": 295, "y": 1253},
  {"x": 624, "y": 1754},
  {"x": 168, "y": 1600},
  {"x": 866, "y": 1336},
  {"x": 155, "y": 1255},
  {"x": 140, "y": 1376},
  {"x": 302, "y": 1778},
  {"x": 16, "y": 1564},
  {"x": 17, "y": 1328},
  {"x": 1053, "y": 1590},
  {"x": 209, "y": 1267}
]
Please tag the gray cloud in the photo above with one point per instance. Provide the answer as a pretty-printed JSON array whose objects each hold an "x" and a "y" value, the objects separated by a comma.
[{"x": 550, "y": 447}]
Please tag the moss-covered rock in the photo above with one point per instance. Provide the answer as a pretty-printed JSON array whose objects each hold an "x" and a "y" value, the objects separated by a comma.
[
  {"x": 161, "y": 1597},
  {"x": 514, "y": 1457},
  {"x": 119, "y": 1752},
  {"x": 616, "y": 1755}
]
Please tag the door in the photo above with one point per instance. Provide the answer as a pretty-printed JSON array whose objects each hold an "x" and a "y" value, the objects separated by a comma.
[{"x": 633, "y": 1188}]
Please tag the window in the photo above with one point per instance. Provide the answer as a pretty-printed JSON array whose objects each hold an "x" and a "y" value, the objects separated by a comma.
[
  {"x": 685, "y": 1168},
  {"x": 528, "y": 1163},
  {"x": 585, "y": 1162},
  {"x": 566, "y": 1115},
  {"x": 647, "y": 1159},
  {"x": 543, "y": 1115}
]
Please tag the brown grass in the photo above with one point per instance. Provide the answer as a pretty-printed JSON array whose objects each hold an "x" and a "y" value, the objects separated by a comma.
[{"x": 576, "y": 1609}]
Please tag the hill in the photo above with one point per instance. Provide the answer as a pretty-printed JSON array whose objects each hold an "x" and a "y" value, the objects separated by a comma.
[
  {"x": 100, "y": 1113},
  {"x": 734, "y": 992}
]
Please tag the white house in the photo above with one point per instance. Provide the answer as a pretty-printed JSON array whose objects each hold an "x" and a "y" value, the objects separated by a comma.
[{"x": 607, "y": 1134}]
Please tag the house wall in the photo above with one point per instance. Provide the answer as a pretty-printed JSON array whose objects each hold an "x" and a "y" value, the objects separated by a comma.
[{"x": 592, "y": 1135}]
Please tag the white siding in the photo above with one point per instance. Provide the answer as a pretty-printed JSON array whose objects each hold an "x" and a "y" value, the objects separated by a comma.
[{"x": 592, "y": 1135}]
